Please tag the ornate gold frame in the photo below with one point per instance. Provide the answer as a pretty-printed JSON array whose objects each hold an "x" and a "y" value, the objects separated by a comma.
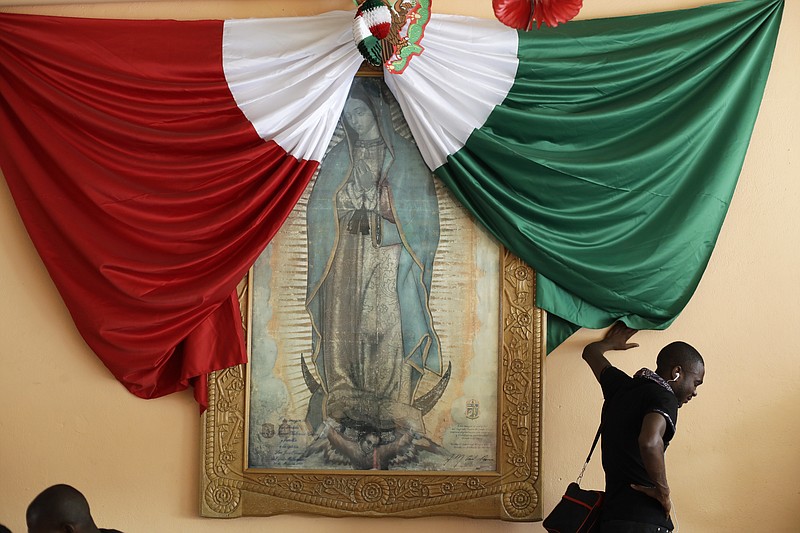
[{"x": 512, "y": 492}]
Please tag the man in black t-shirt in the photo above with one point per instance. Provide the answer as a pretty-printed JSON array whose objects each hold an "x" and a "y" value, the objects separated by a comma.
[{"x": 640, "y": 414}]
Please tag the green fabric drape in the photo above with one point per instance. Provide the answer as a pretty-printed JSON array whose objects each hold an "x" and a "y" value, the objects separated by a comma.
[{"x": 612, "y": 162}]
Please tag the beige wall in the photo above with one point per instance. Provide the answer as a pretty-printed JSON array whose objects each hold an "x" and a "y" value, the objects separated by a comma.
[{"x": 733, "y": 467}]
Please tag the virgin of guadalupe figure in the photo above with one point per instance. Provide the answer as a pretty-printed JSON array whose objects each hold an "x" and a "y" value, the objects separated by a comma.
[{"x": 373, "y": 231}]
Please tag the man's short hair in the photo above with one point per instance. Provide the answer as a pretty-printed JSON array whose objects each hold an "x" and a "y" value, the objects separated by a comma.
[
  {"x": 678, "y": 353},
  {"x": 57, "y": 506}
]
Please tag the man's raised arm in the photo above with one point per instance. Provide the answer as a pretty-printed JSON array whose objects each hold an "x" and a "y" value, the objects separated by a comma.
[{"x": 616, "y": 339}]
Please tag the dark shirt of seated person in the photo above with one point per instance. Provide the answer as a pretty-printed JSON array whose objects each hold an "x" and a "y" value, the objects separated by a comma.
[{"x": 61, "y": 509}]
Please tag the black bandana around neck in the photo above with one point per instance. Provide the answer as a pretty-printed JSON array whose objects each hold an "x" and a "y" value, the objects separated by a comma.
[{"x": 646, "y": 373}]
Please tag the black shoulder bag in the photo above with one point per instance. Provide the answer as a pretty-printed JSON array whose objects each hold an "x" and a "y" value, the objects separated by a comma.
[{"x": 579, "y": 509}]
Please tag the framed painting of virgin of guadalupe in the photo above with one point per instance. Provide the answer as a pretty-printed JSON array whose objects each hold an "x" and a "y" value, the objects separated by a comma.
[{"x": 395, "y": 350}]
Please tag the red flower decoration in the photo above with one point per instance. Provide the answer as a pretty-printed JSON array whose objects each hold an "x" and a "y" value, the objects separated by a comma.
[{"x": 520, "y": 14}]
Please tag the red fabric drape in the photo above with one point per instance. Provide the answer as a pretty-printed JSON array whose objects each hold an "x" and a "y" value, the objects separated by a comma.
[{"x": 143, "y": 187}]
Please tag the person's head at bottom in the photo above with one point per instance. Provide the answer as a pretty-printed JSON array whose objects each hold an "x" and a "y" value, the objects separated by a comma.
[{"x": 60, "y": 509}]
